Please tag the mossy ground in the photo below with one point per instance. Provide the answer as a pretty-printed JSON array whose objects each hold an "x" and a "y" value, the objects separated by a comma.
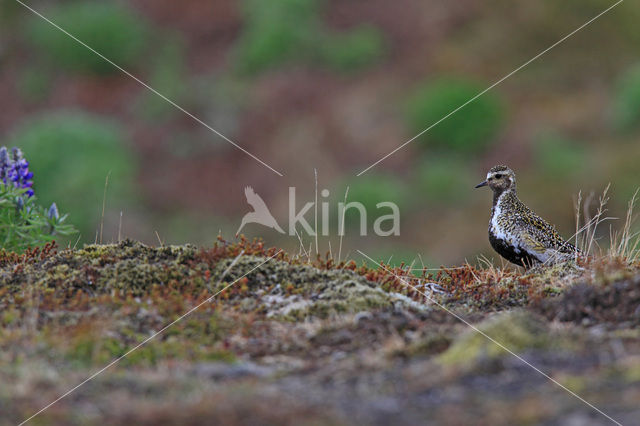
[{"x": 293, "y": 339}]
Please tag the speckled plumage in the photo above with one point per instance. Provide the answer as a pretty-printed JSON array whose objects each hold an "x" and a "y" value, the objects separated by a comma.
[{"x": 517, "y": 233}]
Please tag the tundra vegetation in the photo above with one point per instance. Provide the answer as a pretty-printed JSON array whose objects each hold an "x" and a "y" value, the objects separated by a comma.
[
  {"x": 304, "y": 338},
  {"x": 290, "y": 337}
]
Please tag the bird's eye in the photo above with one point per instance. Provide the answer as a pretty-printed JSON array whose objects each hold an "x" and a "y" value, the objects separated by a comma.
[{"x": 498, "y": 176}]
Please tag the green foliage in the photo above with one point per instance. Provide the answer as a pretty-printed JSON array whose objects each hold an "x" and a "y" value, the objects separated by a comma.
[
  {"x": 370, "y": 190},
  {"x": 72, "y": 153},
  {"x": 34, "y": 84},
  {"x": 24, "y": 224},
  {"x": 559, "y": 156},
  {"x": 108, "y": 27},
  {"x": 90, "y": 349},
  {"x": 519, "y": 331},
  {"x": 627, "y": 100},
  {"x": 354, "y": 50},
  {"x": 471, "y": 129},
  {"x": 168, "y": 77},
  {"x": 442, "y": 179},
  {"x": 281, "y": 31},
  {"x": 9, "y": 13},
  {"x": 274, "y": 31}
]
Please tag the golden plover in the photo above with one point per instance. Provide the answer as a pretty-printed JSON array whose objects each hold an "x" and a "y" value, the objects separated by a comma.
[{"x": 515, "y": 232}]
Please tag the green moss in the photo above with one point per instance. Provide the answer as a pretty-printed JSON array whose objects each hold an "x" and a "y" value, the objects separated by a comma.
[
  {"x": 99, "y": 350},
  {"x": 631, "y": 370},
  {"x": 555, "y": 278},
  {"x": 98, "y": 341},
  {"x": 9, "y": 316},
  {"x": 433, "y": 343},
  {"x": 517, "y": 331},
  {"x": 575, "y": 383},
  {"x": 276, "y": 288},
  {"x": 130, "y": 267}
]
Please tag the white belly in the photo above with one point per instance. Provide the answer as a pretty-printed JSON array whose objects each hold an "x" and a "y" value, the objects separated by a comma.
[{"x": 501, "y": 232}]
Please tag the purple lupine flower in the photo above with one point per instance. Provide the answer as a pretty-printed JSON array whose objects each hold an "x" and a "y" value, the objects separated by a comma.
[
  {"x": 4, "y": 164},
  {"x": 15, "y": 169},
  {"x": 53, "y": 212}
]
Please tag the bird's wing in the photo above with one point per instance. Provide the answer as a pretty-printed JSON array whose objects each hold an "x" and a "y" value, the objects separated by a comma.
[
  {"x": 532, "y": 244},
  {"x": 254, "y": 200},
  {"x": 542, "y": 235}
]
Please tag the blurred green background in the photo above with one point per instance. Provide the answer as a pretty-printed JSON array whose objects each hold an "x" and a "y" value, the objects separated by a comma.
[{"x": 330, "y": 85}]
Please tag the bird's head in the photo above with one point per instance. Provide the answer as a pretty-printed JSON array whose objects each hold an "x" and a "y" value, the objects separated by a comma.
[{"x": 499, "y": 179}]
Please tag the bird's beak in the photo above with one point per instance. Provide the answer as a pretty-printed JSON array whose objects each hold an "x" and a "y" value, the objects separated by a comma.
[{"x": 480, "y": 185}]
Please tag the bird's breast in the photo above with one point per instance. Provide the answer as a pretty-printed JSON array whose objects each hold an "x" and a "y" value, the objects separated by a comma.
[{"x": 497, "y": 224}]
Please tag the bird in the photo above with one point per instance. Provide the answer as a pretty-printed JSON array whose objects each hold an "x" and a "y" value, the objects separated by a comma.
[
  {"x": 515, "y": 231},
  {"x": 260, "y": 213}
]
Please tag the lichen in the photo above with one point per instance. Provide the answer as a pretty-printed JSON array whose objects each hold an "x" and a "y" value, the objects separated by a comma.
[{"x": 325, "y": 292}]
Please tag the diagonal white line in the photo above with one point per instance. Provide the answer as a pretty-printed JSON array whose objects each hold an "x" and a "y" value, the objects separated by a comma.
[
  {"x": 150, "y": 88},
  {"x": 491, "y": 87},
  {"x": 477, "y": 330},
  {"x": 93, "y": 376}
]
